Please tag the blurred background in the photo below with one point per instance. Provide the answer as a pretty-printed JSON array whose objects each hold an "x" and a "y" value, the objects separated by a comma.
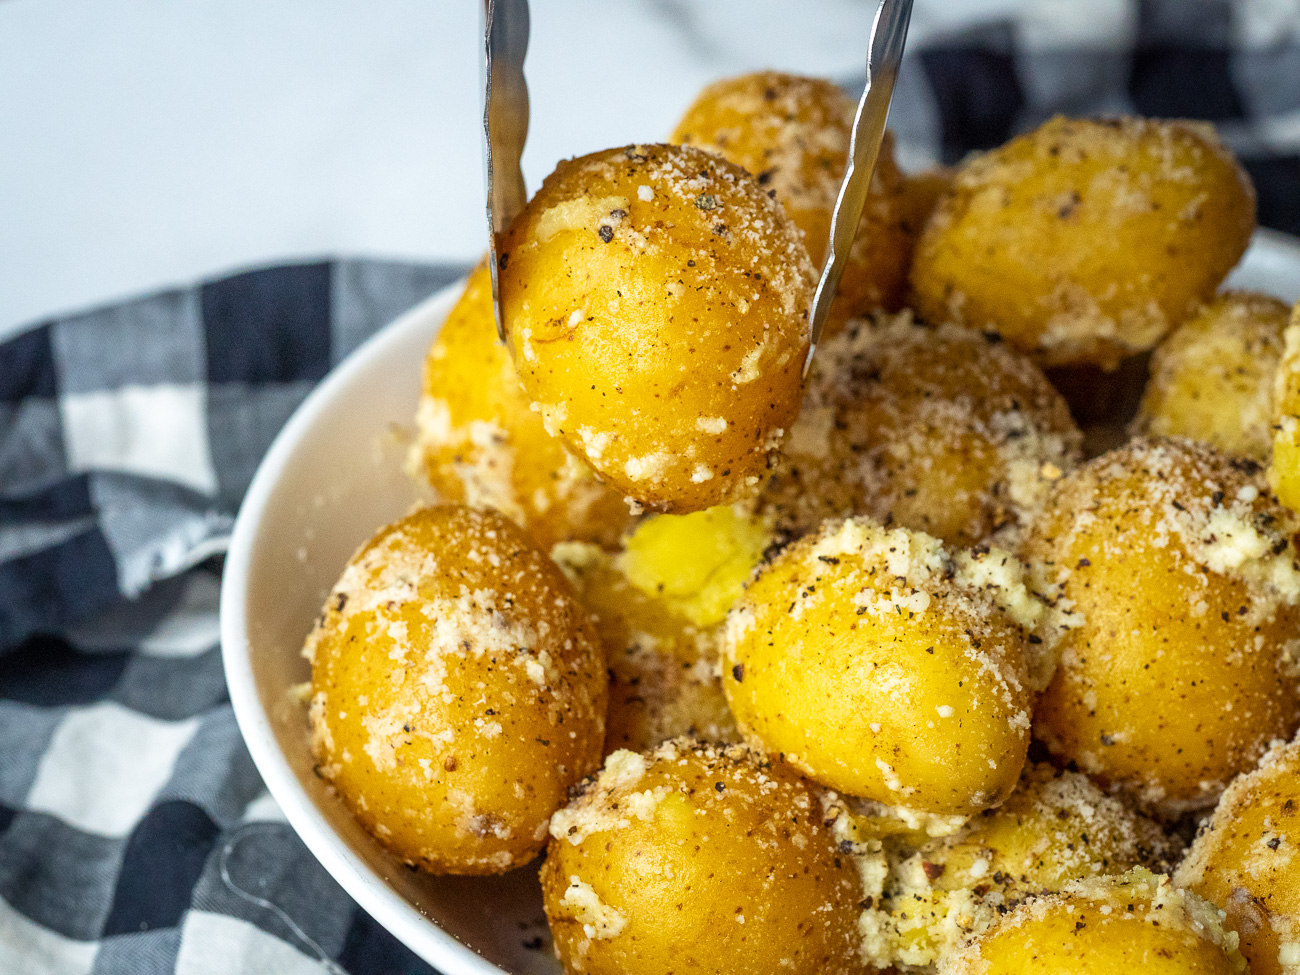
[{"x": 148, "y": 143}]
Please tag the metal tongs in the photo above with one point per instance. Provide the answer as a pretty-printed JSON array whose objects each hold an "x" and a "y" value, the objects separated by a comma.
[{"x": 505, "y": 128}]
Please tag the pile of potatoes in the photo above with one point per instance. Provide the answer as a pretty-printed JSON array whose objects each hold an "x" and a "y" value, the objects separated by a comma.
[{"x": 974, "y": 650}]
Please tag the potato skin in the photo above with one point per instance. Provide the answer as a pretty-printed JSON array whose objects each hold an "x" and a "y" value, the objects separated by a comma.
[
  {"x": 1182, "y": 569},
  {"x": 792, "y": 132},
  {"x": 884, "y": 667},
  {"x": 1085, "y": 241},
  {"x": 458, "y": 690},
  {"x": 699, "y": 859},
  {"x": 1246, "y": 861},
  {"x": 940, "y": 430},
  {"x": 1056, "y": 828},
  {"x": 1212, "y": 377},
  {"x": 1137, "y": 922},
  {"x": 657, "y": 303},
  {"x": 478, "y": 440}
]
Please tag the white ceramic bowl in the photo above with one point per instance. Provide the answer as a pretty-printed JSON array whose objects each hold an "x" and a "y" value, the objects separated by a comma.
[{"x": 333, "y": 476}]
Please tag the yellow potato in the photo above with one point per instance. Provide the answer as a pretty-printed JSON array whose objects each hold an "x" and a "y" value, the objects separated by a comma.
[
  {"x": 657, "y": 307},
  {"x": 1184, "y": 668},
  {"x": 1085, "y": 241},
  {"x": 1137, "y": 922},
  {"x": 478, "y": 441},
  {"x": 1055, "y": 828},
  {"x": 700, "y": 859},
  {"x": 793, "y": 134},
  {"x": 938, "y": 430},
  {"x": 458, "y": 690},
  {"x": 1246, "y": 861},
  {"x": 1212, "y": 377},
  {"x": 886, "y": 667},
  {"x": 657, "y": 605},
  {"x": 1284, "y": 472}
]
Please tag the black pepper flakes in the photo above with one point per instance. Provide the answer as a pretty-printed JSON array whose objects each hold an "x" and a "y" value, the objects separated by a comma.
[
  {"x": 738, "y": 672},
  {"x": 605, "y": 233},
  {"x": 706, "y": 201}
]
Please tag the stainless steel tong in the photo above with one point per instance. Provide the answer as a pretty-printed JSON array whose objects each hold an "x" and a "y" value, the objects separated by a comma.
[{"x": 505, "y": 127}]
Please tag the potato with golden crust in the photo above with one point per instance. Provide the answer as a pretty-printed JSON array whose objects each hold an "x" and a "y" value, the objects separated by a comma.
[
  {"x": 1136, "y": 922},
  {"x": 940, "y": 430},
  {"x": 657, "y": 307},
  {"x": 700, "y": 859},
  {"x": 1284, "y": 469},
  {"x": 658, "y": 604},
  {"x": 1182, "y": 568},
  {"x": 793, "y": 133},
  {"x": 1057, "y": 827},
  {"x": 458, "y": 690},
  {"x": 1212, "y": 377},
  {"x": 479, "y": 441},
  {"x": 1246, "y": 861},
  {"x": 1085, "y": 241},
  {"x": 884, "y": 666}
]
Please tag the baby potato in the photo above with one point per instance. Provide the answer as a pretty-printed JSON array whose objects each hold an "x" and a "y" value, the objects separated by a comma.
[
  {"x": 657, "y": 307},
  {"x": 458, "y": 690},
  {"x": 1085, "y": 241},
  {"x": 699, "y": 859},
  {"x": 921, "y": 195},
  {"x": 793, "y": 134},
  {"x": 1212, "y": 377},
  {"x": 886, "y": 667},
  {"x": 939, "y": 430},
  {"x": 1057, "y": 827},
  {"x": 657, "y": 605},
  {"x": 1137, "y": 922},
  {"x": 478, "y": 440},
  {"x": 1246, "y": 861},
  {"x": 1284, "y": 471},
  {"x": 1184, "y": 668}
]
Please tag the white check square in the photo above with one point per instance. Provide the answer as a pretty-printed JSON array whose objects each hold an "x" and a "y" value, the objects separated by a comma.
[
  {"x": 214, "y": 944},
  {"x": 104, "y": 766},
  {"x": 152, "y": 431}
]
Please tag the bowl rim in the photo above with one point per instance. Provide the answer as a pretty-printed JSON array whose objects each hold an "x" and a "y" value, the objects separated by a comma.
[{"x": 394, "y": 912}]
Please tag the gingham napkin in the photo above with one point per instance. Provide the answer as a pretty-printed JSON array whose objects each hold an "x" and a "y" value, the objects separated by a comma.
[{"x": 135, "y": 834}]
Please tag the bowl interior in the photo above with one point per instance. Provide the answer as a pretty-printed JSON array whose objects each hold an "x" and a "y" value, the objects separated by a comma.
[{"x": 332, "y": 477}]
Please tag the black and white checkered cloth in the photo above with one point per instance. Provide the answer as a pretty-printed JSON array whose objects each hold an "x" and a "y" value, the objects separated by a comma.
[{"x": 135, "y": 835}]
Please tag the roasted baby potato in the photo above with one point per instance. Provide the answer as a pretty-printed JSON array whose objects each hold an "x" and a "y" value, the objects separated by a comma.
[
  {"x": 1181, "y": 565},
  {"x": 699, "y": 859},
  {"x": 1136, "y": 922},
  {"x": 1246, "y": 861},
  {"x": 1085, "y": 241},
  {"x": 1057, "y": 827},
  {"x": 656, "y": 301},
  {"x": 941, "y": 430},
  {"x": 458, "y": 690},
  {"x": 793, "y": 134},
  {"x": 1212, "y": 377},
  {"x": 658, "y": 604},
  {"x": 884, "y": 666},
  {"x": 1284, "y": 471},
  {"x": 478, "y": 440}
]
